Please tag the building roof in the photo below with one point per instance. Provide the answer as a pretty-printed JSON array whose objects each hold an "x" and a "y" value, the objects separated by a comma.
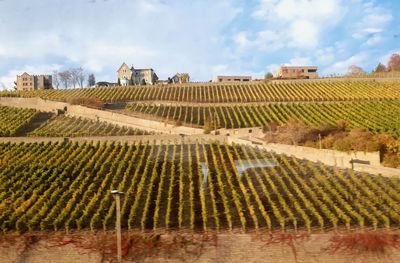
[
  {"x": 123, "y": 65},
  {"x": 29, "y": 75},
  {"x": 139, "y": 69},
  {"x": 233, "y": 76},
  {"x": 23, "y": 74},
  {"x": 294, "y": 67},
  {"x": 181, "y": 74}
]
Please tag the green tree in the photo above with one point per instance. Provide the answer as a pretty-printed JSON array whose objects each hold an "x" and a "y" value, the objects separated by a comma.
[
  {"x": 269, "y": 75},
  {"x": 380, "y": 68},
  {"x": 91, "y": 80}
]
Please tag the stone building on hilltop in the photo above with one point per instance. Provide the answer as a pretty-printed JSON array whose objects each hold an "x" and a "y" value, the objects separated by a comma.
[
  {"x": 181, "y": 78},
  {"x": 131, "y": 76},
  {"x": 232, "y": 79},
  {"x": 302, "y": 72},
  {"x": 27, "y": 82}
]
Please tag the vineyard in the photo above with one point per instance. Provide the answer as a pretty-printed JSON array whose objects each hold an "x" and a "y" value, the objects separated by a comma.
[
  {"x": 14, "y": 119},
  {"x": 378, "y": 116},
  {"x": 209, "y": 92},
  {"x": 62, "y": 126},
  {"x": 64, "y": 186}
]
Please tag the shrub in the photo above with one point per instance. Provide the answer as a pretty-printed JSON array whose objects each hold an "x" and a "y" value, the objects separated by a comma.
[
  {"x": 357, "y": 243},
  {"x": 91, "y": 102},
  {"x": 178, "y": 123},
  {"x": 391, "y": 160}
]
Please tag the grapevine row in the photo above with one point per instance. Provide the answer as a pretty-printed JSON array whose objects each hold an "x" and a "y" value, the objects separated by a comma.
[
  {"x": 211, "y": 92},
  {"x": 65, "y": 186}
]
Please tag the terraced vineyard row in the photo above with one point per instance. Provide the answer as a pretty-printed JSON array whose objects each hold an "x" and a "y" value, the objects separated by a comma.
[
  {"x": 14, "y": 119},
  {"x": 62, "y": 126},
  {"x": 253, "y": 92},
  {"x": 380, "y": 117},
  {"x": 56, "y": 186}
]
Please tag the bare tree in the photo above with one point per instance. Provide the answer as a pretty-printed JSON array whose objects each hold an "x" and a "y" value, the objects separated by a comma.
[
  {"x": 56, "y": 79},
  {"x": 65, "y": 77},
  {"x": 394, "y": 63},
  {"x": 354, "y": 70},
  {"x": 74, "y": 76},
  {"x": 81, "y": 76}
]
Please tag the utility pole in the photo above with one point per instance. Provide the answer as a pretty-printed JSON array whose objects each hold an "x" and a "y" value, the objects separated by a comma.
[{"x": 117, "y": 194}]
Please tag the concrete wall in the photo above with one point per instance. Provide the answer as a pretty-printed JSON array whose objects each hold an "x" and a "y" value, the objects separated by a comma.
[
  {"x": 101, "y": 115},
  {"x": 33, "y": 103},
  {"x": 329, "y": 157},
  {"x": 325, "y": 156},
  {"x": 156, "y": 139},
  {"x": 251, "y": 131},
  {"x": 232, "y": 248}
]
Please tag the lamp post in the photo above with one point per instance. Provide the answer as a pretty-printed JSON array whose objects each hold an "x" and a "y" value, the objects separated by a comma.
[{"x": 117, "y": 194}]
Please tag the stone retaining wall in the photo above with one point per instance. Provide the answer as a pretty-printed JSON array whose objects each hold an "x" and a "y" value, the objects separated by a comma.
[
  {"x": 232, "y": 248},
  {"x": 156, "y": 139}
]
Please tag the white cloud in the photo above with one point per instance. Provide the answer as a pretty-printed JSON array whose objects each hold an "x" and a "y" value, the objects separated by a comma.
[
  {"x": 242, "y": 40},
  {"x": 219, "y": 69},
  {"x": 341, "y": 67},
  {"x": 169, "y": 36},
  {"x": 299, "y": 61},
  {"x": 304, "y": 34},
  {"x": 325, "y": 56},
  {"x": 299, "y": 22},
  {"x": 267, "y": 41},
  {"x": 291, "y": 10},
  {"x": 373, "y": 21},
  {"x": 374, "y": 40},
  {"x": 151, "y": 5}
]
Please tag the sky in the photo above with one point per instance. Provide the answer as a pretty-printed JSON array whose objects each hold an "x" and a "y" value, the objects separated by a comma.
[{"x": 204, "y": 38}]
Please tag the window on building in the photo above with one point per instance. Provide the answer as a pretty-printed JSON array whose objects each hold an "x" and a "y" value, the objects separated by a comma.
[{"x": 312, "y": 70}]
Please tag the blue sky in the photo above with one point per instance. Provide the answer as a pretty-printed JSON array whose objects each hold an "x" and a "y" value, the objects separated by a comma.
[{"x": 202, "y": 37}]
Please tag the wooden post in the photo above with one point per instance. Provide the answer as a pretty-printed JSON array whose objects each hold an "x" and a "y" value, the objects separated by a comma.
[
  {"x": 319, "y": 140},
  {"x": 117, "y": 195},
  {"x": 118, "y": 227},
  {"x": 215, "y": 122}
]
